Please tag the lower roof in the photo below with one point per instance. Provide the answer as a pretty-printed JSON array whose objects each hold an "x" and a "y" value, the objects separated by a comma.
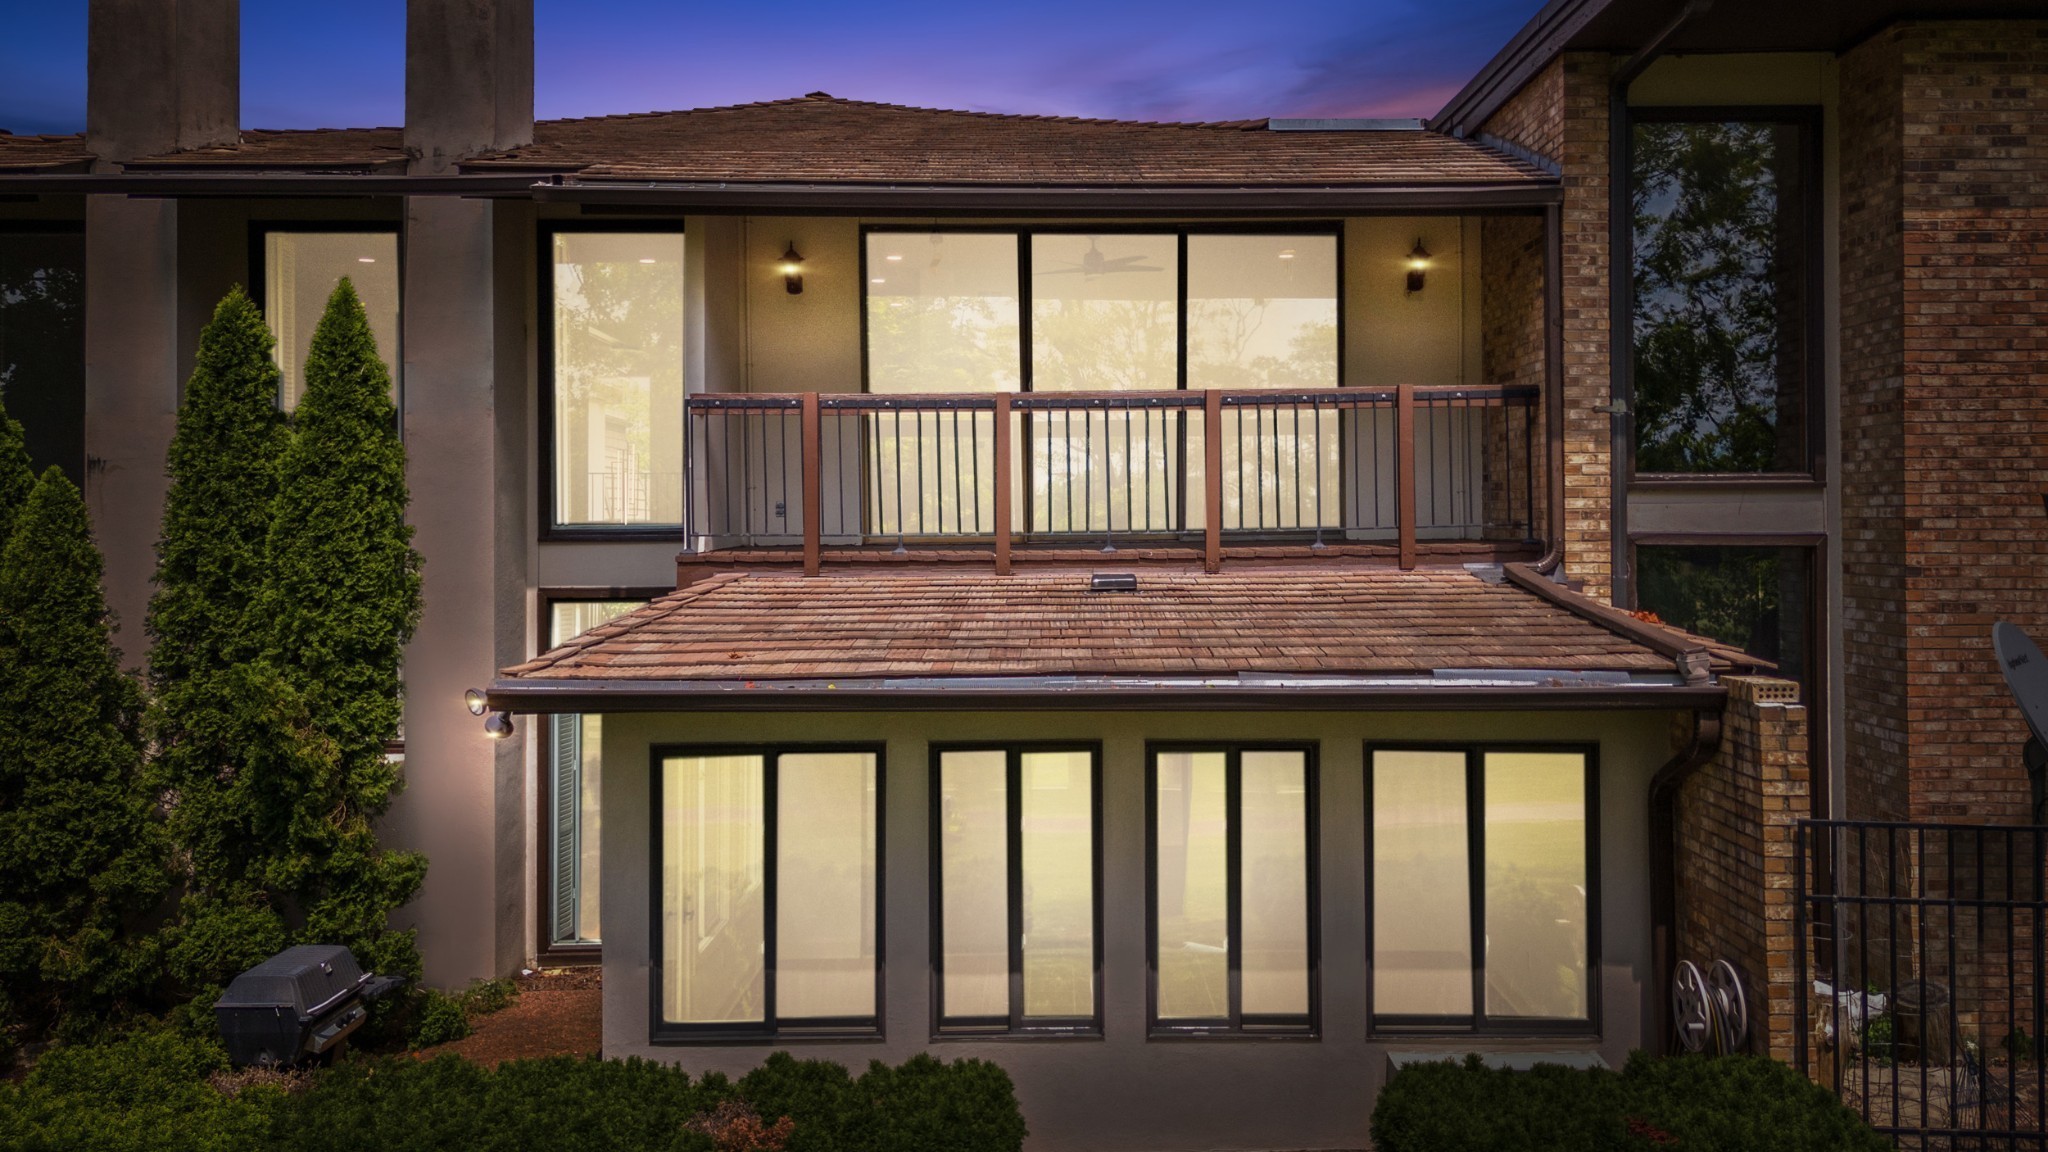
[{"x": 1329, "y": 635}]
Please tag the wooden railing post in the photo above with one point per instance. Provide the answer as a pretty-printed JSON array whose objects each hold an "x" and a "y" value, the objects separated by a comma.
[
  {"x": 1404, "y": 472},
  {"x": 1212, "y": 481},
  {"x": 814, "y": 551},
  {"x": 1002, "y": 435}
]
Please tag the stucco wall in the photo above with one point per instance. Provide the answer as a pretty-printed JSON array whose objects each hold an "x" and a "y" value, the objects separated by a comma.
[{"x": 1121, "y": 1091}]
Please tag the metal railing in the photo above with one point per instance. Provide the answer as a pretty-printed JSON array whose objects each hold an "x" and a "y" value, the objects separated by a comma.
[
  {"x": 1397, "y": 465},
  {"x": 1918, "y": 977}
]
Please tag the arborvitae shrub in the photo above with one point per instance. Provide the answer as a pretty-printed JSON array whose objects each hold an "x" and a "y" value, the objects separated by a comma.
[{"x": 17, "y": 474}]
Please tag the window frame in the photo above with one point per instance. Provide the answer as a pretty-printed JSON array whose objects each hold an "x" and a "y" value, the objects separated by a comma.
[
  {"x": 64, "y": 226},
  {"x": 1023, "y": 231},
  {"x": 1478, "y": 1023},
  {"x": 1236, "y": 1025},
  {"x": 260, "y": 230},
  {"x": 544, "y": 342},
  {"x": 1016, "y": 1024},
  {"x": 666, "y": 1032},
  {"x": 1809, "y": 119}
]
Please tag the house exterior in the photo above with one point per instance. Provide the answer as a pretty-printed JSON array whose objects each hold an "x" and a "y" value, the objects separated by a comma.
[{"x": 1195, "y": 613}]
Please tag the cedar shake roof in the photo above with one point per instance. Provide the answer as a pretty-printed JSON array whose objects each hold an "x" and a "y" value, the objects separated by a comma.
[
  {"x": 823, "y": 139},
  {"x": 43, "y": 153},
  {"x": 755, "y": 627}
]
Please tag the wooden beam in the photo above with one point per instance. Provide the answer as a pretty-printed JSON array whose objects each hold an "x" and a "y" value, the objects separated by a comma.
[
  {"x": 1212, "y": 481},
  {"x": 1002, "y": 435},
  {"x": 814, "y": 551},
  {"x": 1404, "y": 473}
]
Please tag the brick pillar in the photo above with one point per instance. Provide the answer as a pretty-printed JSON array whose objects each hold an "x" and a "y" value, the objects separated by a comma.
[{"x": 1737, "y": 816}]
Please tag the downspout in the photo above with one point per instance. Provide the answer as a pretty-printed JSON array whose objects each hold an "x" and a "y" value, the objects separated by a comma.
[
  {"x": 1553, "y": 379},
  {"x": 1664, "y": 793},
  {"x": 1620, "y": 298}
]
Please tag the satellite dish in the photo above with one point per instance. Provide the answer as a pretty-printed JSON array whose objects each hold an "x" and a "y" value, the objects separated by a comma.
[{"x": 2026, "y": 674}]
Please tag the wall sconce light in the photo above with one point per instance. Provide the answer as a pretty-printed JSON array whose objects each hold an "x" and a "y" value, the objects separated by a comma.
[
  {"x": 1418, "y": 263},
  {"x": 792, "y": 269}
]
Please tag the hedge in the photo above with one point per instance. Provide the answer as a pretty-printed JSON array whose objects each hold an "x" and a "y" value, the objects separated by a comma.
[
  {"x": 1683, "y": 1104},
  {"x": 153, "y": 1092}
]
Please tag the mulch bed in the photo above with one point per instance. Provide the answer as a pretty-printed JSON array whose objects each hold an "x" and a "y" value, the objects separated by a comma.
[{"x": 559, "y": 1012}]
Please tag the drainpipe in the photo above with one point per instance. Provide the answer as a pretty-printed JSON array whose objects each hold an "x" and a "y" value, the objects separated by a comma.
[
  {"x": 1664, "y": 790},
  {"x": 1553, "y": 379},
  {"x": 1620, "y": 422}
]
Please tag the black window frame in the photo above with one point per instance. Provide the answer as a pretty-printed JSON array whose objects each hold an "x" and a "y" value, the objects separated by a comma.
[
  {"x": 259, "y": 286},
  {"x": 78, "y": 469},
  {"x": 1025, "y": 231},
  {"x": 1809, "y": 119},
  {"x": 1016, "y": 1024},
  {"x": 770, "y": 1027},
  {"x": 1479, "y": 1023},
  {"x": 544, "y": 337},
  {"x": 1237, "y": 1024}
]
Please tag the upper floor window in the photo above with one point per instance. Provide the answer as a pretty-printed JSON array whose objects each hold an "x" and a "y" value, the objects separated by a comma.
[
  {"x": 613, "y": 361},
  {"x": 1724, "y": 352},
  {"x": 301, "y": 266},
  {"x": 42, "y": 340},
  {"x": 1070, "y": 310}
]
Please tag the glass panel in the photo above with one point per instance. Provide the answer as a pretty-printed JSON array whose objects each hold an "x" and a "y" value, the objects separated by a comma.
[
  {"x": 618, "y": 377},
  {"x": 1194, "y": 894},
  {"x": 711, "y": 890},
  {"x": 943, "y": 312},
  {"x": 1058, "y": 831},
  {"x": 1754, "y": 598},
  {"x": 1421, "y": 895},
  {"x": 974, "y": 869},
  {"x": 1273, "y": 807},
  {"x": 1720, "y": 331},
  {"x": 42, "y": 345},
  {"x": 300, "y": 270},
  {"x": 1104, "y": 313},
  {"x": 576, "y": 752},
  {"x": 1536, "y": 928},
  {"x": 1262, "y": 311},
  {"x": 825, "y": 885}
]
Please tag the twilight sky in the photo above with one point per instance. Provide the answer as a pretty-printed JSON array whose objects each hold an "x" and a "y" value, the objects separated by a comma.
[{"x": 307, "y": 65}]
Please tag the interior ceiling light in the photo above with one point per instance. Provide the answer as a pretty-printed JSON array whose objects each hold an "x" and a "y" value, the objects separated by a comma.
[
  {"x": 366, "y": 259},
  {"x": 647, "y": 259},
  {"x": 1287, "y": 253},
  {"x": 894, "y": 257}
]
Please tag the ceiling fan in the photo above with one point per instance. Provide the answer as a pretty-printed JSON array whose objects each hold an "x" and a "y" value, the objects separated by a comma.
[{"x": 1094, "y": 263}]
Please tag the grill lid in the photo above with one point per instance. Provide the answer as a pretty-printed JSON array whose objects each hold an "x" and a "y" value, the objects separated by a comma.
[{"x": 303, "y": 980}]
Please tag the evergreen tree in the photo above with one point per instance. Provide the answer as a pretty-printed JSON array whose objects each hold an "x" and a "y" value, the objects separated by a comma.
[
  {"x": 17, "y": 475},
  {"x": 341, "y": 599},
  {"x": 80, "y": 849}
]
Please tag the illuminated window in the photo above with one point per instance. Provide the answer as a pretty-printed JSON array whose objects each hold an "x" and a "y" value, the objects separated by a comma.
[{"x": 301, "y": 270}]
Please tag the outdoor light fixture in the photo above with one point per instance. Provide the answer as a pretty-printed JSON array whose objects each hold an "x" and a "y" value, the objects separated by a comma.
[
  {"x": 474, "y": 701},
  {"x": 792, "y": 269},
  {"x": 1418, "y": 263},
  {"x": 498, "y": 726}
]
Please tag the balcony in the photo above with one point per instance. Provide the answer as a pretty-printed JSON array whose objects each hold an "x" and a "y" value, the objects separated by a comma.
[{"x": 1398, "y": 474}]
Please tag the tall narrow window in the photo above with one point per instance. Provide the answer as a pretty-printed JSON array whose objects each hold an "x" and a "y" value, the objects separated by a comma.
[
  {"x": 570, "y": 816},
  {"x": 615, "y": 366},
  {"x": 300, "y": 271},
  {"x": 1262, "y": 311},
  {"x": 42, "y": 342},
  {"x": 769, "y": 869},
  {"x": 1723, "y": 345},
  {"x": 1016, "y": 835},
  {"x": 1482, "y": 888},
  {"x": 1759, "y": 599},
  {"x": 1231, "y": 854}
]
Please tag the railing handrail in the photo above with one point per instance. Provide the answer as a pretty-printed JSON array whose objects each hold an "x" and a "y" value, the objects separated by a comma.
[{"x": 1189, "y": 399}]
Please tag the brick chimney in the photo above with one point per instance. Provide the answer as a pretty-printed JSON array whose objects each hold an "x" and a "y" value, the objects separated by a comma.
[
  {"x": 161, "y": 76},
  {"x": 468, "y": 80}
]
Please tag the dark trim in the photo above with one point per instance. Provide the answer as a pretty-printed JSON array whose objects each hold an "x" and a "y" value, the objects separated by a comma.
[
  {"x": 259, "y": 284},
  {"x": 544, "y": 343},
  {"x": 1129, "y": 202},
  {"x": 1236, "y": 1024},
  {"x": 159, "y": 183},
  {"x": 1553, "y": 386},
  {"x": 1665, "y": 785},
  {"x": 1730, "y": 481},
  {"x": 771, "y": 1028},
  {"x": 1479, "y": 1022},
  {"x": 1016, "y": 1024},
  {"x": 1526, "y": 54}
]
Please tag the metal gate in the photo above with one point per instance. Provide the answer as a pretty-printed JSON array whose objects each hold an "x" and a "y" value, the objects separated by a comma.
[{"x": 1919, "y": 977}]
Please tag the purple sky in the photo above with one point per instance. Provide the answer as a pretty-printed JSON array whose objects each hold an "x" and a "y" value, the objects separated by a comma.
[{"x": 331, "y": 65}]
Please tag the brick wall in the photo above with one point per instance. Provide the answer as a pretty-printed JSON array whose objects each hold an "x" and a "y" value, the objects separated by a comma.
[
  {"x": 1562, "y": 114},
  {"x": 1945, "y": 407},
  {"x": 1735, "y": 848},
  {"x": 1511, "y": 355}
]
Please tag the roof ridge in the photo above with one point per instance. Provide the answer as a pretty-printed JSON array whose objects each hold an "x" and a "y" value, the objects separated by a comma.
[{"x": 828, "y": 98}]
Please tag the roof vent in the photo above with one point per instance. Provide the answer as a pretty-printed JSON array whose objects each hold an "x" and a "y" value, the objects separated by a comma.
[
  {"x": 1113, "y": 582},
  {"x": 1342, "y": 124}
]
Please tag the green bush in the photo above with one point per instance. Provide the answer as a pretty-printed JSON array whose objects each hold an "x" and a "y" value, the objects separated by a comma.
[
  {"x": 440, "y": 1019},
  {"x": 1692, "y": 1104},
  {"x": 147, "y": 1093}
]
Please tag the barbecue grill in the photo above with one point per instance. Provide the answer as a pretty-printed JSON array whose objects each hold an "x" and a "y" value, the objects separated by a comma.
[{"x": 300, "y": 1004}]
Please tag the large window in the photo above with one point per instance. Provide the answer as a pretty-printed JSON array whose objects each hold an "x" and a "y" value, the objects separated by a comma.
[
  {"x": 42, "y": 341},
  {"x": 1016, "y": 842},
  {"x": 769, "y": 868},
  {"x": 1484, "y": 907},
  {"x": 613, "y": 358},
  {"x": 1232, "y": 846},
  {"x": 300, "y": 268},
  {"x": 1724, "y": 210},
  {"x": 1758, "y": 598},
  {"x": 570, "y": 814}
]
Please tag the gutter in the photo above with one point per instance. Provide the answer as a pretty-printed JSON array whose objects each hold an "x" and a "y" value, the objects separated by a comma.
[
  {"x": 215, "y": 183},
  {"x": 1665, "y": 788}
]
